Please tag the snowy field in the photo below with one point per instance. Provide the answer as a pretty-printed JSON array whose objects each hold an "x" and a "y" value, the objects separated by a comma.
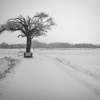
[
  {"x": 11, "y": 52},
  {"x": 86, "y": 61},
  {"x": 83, "y": 61},
  {"x": 53, "y": 74}
]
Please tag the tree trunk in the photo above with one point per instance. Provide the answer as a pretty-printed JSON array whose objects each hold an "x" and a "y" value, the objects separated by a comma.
[{"x": 28, "y": 44}]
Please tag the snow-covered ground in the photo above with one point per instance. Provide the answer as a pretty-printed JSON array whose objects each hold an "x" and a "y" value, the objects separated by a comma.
[
  {"x": 53, "y": 74},
  {"x": 11, "y": 52},
  {"x": 83, "y": 61}
]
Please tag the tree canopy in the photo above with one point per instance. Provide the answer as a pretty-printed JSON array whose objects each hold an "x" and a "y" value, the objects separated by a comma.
[{"x": 31, "y": 26}]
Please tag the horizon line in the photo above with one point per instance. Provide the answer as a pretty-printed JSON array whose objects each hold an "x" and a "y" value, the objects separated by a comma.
[{"x": 51, "y": 42}]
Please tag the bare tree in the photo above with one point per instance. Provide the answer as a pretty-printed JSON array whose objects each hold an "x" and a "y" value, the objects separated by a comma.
[{"x": 30, "y": 27}]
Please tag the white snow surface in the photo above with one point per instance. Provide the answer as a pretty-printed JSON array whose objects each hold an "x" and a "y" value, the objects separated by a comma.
[{"x": 53, "y": 74}]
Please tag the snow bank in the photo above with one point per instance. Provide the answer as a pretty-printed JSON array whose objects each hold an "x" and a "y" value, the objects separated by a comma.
[{"x": 6, "y": 64}]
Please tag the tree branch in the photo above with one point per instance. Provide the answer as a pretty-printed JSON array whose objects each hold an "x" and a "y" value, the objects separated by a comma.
[
  {"x": 32, "y": 36},
  {"x": 22, "y": 35},
  {"x": 1, "y": 29}
]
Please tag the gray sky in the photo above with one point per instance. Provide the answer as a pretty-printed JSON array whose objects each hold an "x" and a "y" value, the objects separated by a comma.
[{"x": 78, "y": 21}]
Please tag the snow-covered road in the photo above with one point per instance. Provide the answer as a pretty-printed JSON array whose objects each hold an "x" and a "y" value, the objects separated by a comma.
[{"x": 39, "y": 78}]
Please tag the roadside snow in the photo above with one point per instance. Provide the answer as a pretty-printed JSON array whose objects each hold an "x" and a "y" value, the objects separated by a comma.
[
  {"x": 83, "y": 63},
  {"x": 47, "y": 77}
]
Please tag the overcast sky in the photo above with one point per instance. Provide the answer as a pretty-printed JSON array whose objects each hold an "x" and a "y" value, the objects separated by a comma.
[{"x": 78, "y": 21}]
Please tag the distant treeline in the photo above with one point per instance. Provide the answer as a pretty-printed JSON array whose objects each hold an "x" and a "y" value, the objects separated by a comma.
[
  {"x": 36, "y": 44},
  {"x": 5, "y": 45}
]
